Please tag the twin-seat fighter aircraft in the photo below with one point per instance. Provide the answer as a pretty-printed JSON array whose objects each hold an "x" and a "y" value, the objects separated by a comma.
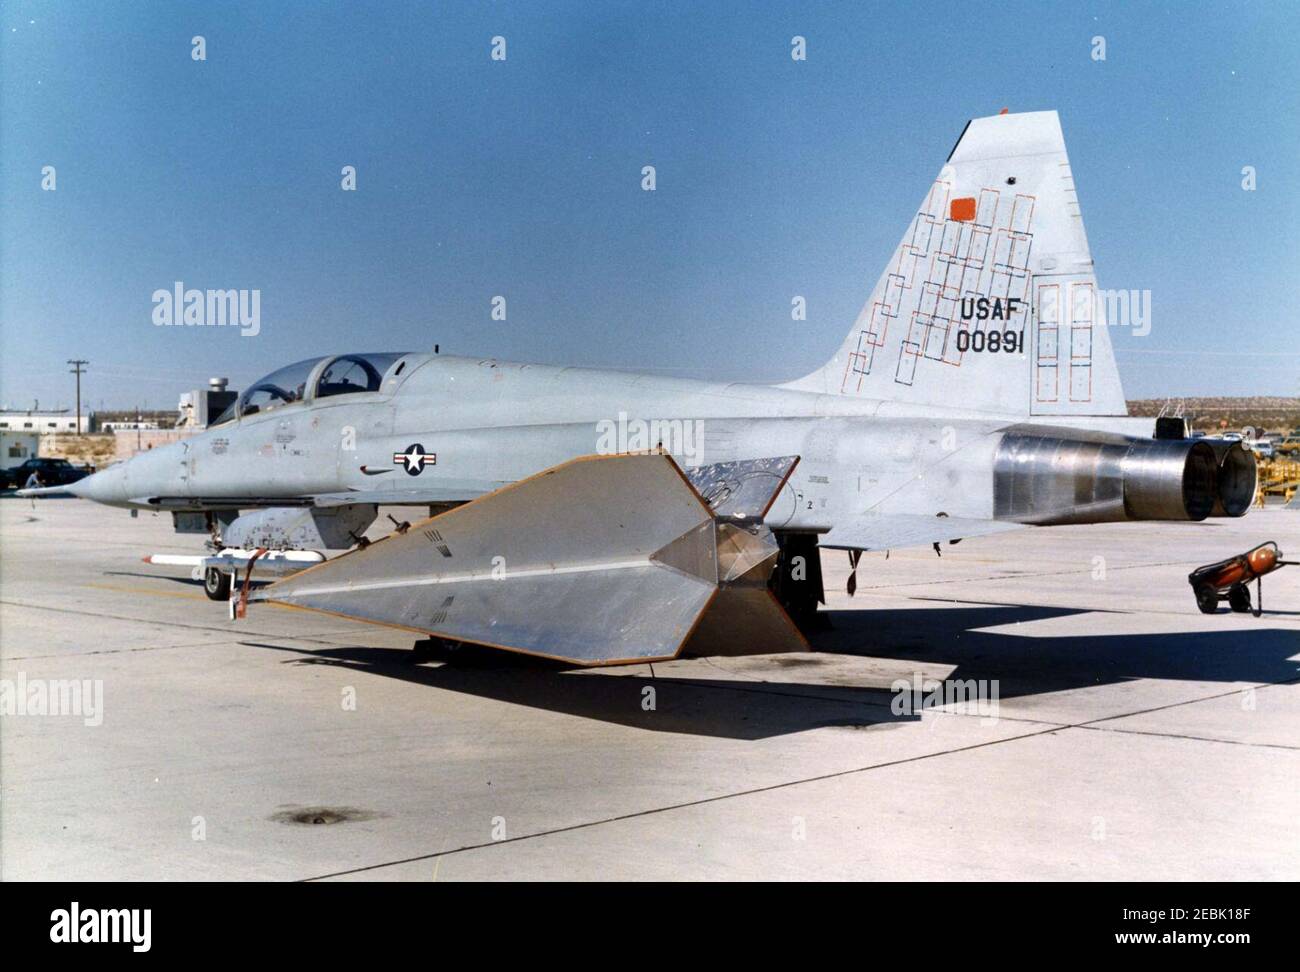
[{"x": 601, "y": 517}]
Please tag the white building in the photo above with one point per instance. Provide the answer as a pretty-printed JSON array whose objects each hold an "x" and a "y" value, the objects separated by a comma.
[
  {"x": 200, "y": 408},
  {"x": 33, "y": 421},
  {"x": 17, "y": 447},
  {"x": 127, "y": 426}
]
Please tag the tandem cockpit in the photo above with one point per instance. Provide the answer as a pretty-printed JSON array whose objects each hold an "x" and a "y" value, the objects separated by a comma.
[{"x": 317, "y": 378}]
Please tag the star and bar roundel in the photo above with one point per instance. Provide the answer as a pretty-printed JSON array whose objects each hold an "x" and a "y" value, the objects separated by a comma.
[{"x": 414, "y": 459}]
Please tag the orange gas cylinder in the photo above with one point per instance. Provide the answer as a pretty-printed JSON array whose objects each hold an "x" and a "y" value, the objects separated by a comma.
[
  {"x": 1243, "y": 568},
  {"x": 1264, "y": 558},
  {"x": 1228, "y": 572}
]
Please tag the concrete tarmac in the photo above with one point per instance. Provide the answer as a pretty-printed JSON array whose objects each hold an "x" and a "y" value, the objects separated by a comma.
[{"x": 1131, "y": 736}]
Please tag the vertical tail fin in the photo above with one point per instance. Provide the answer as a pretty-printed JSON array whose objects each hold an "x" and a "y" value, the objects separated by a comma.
[{"x": 997, "y": 248}]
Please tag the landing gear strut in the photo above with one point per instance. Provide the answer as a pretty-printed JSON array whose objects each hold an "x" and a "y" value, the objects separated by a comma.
[{"x": 797, "y": 580}]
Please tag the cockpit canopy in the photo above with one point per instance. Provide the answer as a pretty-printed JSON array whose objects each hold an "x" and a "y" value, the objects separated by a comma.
[
  {"x": 313, "y": 378},
  {"x": 282, "y": 387}
]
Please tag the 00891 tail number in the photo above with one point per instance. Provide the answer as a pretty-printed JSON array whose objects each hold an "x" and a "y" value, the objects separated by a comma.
[{"x": 992, "y": 341}]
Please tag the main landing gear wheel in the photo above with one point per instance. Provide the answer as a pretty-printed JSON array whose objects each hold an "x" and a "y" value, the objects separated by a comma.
[
  {"x": 435, "y": 649},
  {"x": 797, "y": 580},
  {"x": 1207, "y": 598},
  {"x": 216, "y": 584},
  {"x": 1239, "y": 598}
]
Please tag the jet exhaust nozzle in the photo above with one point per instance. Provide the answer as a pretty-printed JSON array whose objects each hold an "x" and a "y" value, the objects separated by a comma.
[
  {"x": 1045, "y": 475},
  {"x": 1170, "y": 479},
  {"x": 1236, "y": 477}
]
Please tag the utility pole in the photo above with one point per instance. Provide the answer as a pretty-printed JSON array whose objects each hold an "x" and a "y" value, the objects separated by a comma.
[{"x": 77, "y": 365}]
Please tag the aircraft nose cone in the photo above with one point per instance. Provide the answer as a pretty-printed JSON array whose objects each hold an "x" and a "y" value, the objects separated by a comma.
[{"x": 106, "y": 486}]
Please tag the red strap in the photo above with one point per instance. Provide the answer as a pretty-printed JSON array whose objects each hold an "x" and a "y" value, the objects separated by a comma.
[{"x": 241, "y": 609}]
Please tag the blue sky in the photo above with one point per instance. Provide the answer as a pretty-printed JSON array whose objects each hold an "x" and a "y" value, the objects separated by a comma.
[{"x": 522, "y": 178}]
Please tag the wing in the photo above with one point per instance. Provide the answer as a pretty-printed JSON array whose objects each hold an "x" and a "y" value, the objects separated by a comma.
[
  {"x": 887, "y": 531},
  {"x": 433, "y": 494}
]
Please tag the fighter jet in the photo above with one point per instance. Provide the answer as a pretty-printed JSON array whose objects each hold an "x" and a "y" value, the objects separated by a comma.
[{"x": 600, "y": 517}]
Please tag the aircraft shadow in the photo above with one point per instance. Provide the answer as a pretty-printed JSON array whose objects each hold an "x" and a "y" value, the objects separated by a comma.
[
  {"x": 750, "y": 709},
  {"x": 721, "y": 708},
  {"x": 1035, "y": 664},
  {"x": 176, "y": 579},
  {"x": 169, "y": 578}
]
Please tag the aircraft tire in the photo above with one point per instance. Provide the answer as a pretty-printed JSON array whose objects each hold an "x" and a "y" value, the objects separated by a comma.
[{"x": 216, "y": 584}]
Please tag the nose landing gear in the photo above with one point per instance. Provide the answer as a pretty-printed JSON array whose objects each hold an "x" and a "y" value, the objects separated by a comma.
[{"x": 216, "y": 584}]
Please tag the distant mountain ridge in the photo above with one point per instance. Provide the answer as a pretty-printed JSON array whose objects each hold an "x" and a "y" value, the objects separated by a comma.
[{"x": 1269, "y": 412}]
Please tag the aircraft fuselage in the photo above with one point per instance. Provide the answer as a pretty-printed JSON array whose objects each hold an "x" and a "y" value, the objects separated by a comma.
[{"x": 453, "y": 419}]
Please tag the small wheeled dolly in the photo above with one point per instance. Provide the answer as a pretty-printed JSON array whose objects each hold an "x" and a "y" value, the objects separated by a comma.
[{"x": 1228, "y": 580}]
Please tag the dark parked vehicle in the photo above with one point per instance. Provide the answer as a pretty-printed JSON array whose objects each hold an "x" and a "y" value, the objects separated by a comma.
[{"x": 53, "y": 472}]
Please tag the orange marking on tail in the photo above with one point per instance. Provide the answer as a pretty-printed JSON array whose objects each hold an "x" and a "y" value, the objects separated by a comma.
[{"x": 962, "y": 210}]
